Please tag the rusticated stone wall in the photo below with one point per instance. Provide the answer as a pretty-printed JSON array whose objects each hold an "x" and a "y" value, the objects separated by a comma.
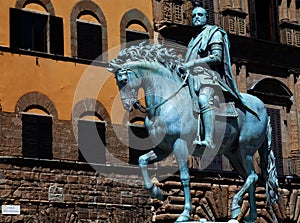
[
  {"x": 63, "y": 190},
  {"x": 70, "y": 192},
  {"x": 212, "y": 196}
]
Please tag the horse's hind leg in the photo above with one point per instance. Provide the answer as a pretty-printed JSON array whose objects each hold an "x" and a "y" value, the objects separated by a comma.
[
  {"x": 144, "y": 160},
  {"x": 182, "y": 156},
  {"x": 249, "y": 186},
  {"x": 236, "y": 163},
  {"x": 253, "y": 213}
]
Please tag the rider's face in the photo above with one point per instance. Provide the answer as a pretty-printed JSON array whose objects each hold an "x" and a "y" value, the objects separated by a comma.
[{"x": 199, "y": 17}]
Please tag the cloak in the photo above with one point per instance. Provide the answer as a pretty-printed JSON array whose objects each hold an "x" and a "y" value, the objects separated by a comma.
[{"x": 200, "y": 44}]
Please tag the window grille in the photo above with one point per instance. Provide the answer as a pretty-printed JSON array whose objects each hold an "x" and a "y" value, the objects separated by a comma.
[
  {"x": 178, "y": 13},
  {"x": 231, "y": 24},
  {"x": 297, "y": 38},
  {"x": 242, "y": 28},
  {"x": 289, "y": 37}
]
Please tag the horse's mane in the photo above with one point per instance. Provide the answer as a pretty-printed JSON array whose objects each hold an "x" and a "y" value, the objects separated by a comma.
[{"x": 149, "y": 52}]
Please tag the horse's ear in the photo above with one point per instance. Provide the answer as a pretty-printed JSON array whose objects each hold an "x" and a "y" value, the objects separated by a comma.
[
  {"x": 112, "y": 67},
  {"x": 195, "y": 4}
]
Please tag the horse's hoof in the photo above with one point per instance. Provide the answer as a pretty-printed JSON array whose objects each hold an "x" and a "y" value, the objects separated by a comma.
[
  {"x": 183, "y": 217},
  {"x": 250, "y": 220},
  {"x": 156, "y": 193},
  {"x": 235, "y": 212}
]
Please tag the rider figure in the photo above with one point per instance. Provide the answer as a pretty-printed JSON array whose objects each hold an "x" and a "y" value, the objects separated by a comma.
[{"x": 209, "y": 48}]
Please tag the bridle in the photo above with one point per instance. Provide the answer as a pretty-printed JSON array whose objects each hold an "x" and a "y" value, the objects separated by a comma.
[{"x": 137, "y": 104}]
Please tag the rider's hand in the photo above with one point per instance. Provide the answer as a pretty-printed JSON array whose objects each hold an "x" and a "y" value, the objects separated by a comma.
[{"x": 182, "y": 70}]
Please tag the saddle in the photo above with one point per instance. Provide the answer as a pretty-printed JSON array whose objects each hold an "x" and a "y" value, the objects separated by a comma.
[{"x": 222, "y": 109}]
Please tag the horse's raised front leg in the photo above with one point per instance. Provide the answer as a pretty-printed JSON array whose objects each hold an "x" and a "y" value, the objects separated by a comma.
[
  {"x": 182, "y": 155},
  {"x": 144, "y": 160},
  {"x": 249, "y": 185}
]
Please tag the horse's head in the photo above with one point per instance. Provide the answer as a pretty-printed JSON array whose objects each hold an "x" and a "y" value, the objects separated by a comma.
[
  {"x": 128, "y": 84},
  {"x": 136, "y": 62}
]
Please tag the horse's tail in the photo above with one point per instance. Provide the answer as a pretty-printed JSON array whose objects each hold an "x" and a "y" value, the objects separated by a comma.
[{"x": 268, "y": 168}]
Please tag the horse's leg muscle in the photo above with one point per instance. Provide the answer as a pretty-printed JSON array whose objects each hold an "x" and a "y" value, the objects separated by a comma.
[
  {"x": 182, "y": 156},
  {"x": 235, "y": 161}
]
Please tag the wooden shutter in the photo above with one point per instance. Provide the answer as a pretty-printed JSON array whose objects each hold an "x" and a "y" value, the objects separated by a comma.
[
  {"x": 91, "y": 140},
  {"x": 37, "y": 136},
  {"x": 276, "y": 138},
  {"x": 137, "y": 149},
  {"x": 252, "y": 18},
  {"x": 39, "y": 29},
  {"x": 89, "y": 40},
  {"x": 15, "y": 28},
  {"x": 56, "y": 35}
]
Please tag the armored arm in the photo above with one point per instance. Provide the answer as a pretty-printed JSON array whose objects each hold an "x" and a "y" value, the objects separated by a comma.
[{"x": 215, "y": 55}]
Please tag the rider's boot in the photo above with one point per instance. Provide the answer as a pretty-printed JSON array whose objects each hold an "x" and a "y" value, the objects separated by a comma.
[{"x": 208, "y": 115}]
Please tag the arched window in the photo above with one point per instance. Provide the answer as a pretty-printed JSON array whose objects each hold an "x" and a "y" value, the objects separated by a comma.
[
  {"x": 135, "y": 26},
  {"x": 37, "y": 133},
  {"x": 34, "y": 28},
  {"x": 38, "y": 113},
  {"x": 89, "y": 36},
  {"x": 90, "y": 120},
  {"x": 88, "y": 31}
]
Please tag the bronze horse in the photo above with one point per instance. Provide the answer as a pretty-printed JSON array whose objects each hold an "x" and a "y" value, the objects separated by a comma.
[{"x": 172, "y": 124}]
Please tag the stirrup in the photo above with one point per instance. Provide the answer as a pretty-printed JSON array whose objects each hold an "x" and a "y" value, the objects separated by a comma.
[{"x": 204, "y": 144}]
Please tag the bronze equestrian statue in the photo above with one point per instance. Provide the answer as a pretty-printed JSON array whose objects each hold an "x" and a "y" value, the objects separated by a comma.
[{"x": 173, "y": 122}]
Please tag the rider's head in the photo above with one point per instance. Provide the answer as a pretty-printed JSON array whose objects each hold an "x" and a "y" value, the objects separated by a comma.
[{"x": 199, "y": 16}]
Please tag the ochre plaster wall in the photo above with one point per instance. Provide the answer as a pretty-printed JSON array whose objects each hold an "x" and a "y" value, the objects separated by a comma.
[{"x": 58, "y": 79}]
